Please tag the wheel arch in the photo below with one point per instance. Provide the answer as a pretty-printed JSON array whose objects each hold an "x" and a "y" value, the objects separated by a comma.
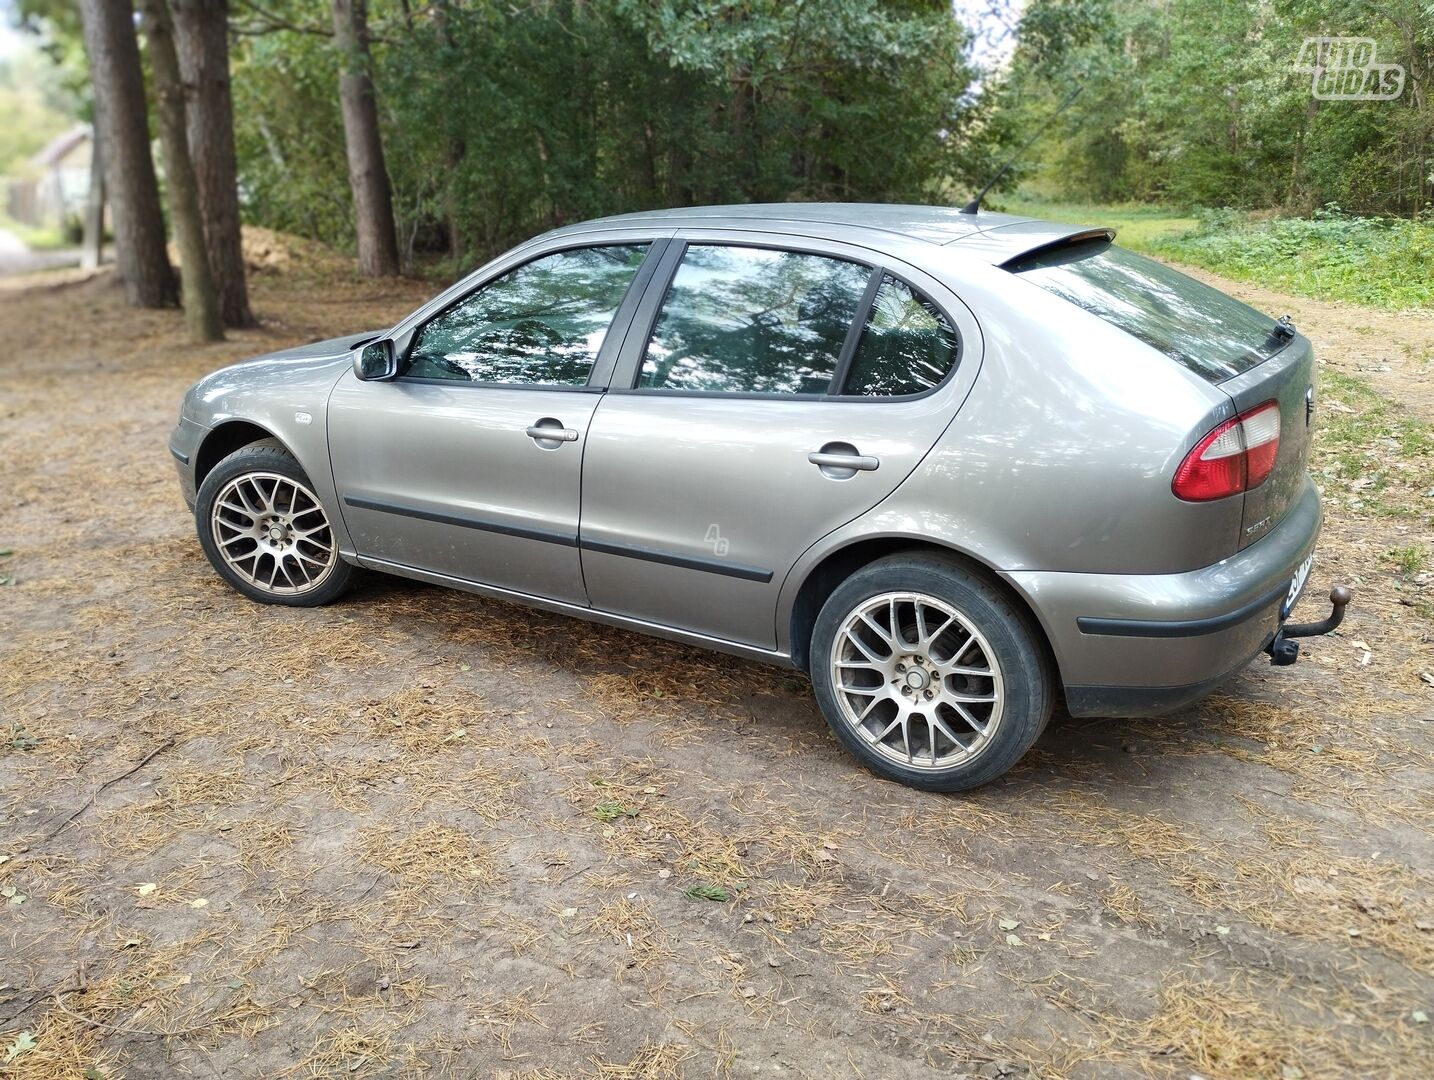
[
  {"x": 223, "y": 440},
  {"x": 836, "y": 566}
]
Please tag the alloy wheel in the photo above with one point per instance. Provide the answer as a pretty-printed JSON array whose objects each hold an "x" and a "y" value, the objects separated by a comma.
[
  {"x": 273, "y": 533},
  {"x": 917, "y": 681}
]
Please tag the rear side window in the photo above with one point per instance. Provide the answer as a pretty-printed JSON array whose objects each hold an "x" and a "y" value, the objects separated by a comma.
[
  {"x": 906, "y": 347},
  {"x": 753, "y": 320},
  {"x": 1212, "y": 334}
]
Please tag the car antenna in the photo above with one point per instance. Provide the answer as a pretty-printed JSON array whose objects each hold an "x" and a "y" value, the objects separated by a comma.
[{"x": 974, "y": 206}]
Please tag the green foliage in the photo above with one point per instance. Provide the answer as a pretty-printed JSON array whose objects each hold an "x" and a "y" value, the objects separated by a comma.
[
  {"x": 503, "y": 120},
  {"x": 1379, "y": 262},
  {"x": 289, "y": 137},
  {"x": 609, "y": 811},
  {"x": 1198, "y": 103},
  {"x": 1139, "y": 226},
  {"x": 1407, "y": 561},
  {"x": 715, "y": 893},
  {"x": 1366, "y": 421},
  {"x": 1375, "y": 452},
  {"x": 36, "y": 105}
]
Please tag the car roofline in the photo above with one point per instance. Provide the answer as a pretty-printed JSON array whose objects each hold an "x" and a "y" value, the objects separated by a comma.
[{"x": 985, "y": 237}]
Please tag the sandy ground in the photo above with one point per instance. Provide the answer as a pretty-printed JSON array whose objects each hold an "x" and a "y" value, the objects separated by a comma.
[
  {"x": 422, "y": 833},
  {"x": 1394, "y": 353}
]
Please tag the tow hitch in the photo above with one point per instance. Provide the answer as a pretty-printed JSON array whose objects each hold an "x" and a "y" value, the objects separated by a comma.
[{"x": 1284, "y": 650}]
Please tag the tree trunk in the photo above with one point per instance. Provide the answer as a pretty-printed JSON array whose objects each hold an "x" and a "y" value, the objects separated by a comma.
[
  {"x": 203, "y": 39},
  {"x": 92, "y": 246},
  {"x": 140, "y": 253},
  {"x": 454, "y": 150},
  {"x": 368, "y": 177},
  {"x": 201, "y": 305}
]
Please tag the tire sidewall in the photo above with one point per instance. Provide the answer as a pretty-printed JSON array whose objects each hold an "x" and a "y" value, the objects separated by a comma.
[
  {"x": 270, "y": 458},
  {"x": 1026, "y": 680}
]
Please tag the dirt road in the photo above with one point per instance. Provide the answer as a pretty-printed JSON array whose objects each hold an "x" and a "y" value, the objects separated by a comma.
[
  {"x": 17, "y": 258},
  {"x": 421, "y": 833}
]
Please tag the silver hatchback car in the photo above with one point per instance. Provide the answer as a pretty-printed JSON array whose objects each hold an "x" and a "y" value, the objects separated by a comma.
[{"x": 953, "y": 465}]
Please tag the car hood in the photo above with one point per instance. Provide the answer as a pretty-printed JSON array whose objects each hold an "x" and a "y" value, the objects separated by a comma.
[
  {"x": 328, "y": 349},
  {"x": 319, "y": 363}
]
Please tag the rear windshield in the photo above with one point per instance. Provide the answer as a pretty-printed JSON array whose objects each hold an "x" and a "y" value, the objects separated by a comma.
[{"x": 1212, "y": 334}]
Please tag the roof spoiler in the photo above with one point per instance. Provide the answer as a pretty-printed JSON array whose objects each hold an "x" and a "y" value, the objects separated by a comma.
[{"x": 1084, "y": 236}]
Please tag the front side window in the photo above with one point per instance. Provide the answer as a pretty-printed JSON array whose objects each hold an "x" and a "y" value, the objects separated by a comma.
[
  {"x": 907, "y": 346},
  {"x": 542, "y": 323},
  {"x": 753, "y": 320}
]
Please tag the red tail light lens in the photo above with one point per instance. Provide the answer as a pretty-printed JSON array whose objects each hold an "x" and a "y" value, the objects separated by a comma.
[{"x": 1237, "y": 456}]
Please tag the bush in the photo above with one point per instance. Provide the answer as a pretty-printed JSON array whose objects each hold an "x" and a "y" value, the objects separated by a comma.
[{"x": 1379, "y": 262}]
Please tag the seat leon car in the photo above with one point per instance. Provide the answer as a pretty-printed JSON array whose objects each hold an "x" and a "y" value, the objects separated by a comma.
[{"x": 955, "y": 466}]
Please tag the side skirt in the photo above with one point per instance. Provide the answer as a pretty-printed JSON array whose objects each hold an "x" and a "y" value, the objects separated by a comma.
[{"x": 623, "y": 622}]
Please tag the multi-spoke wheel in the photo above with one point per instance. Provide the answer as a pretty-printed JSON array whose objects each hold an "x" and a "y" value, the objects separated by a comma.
[
  {"x": 265, "y": 530},
  {"x": 928, "y": 673},
  {"x": 916, "y": 680},
  {"x": 272, "y": 531}
]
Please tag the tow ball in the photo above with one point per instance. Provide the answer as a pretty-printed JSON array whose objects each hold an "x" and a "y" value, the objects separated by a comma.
[{"x": 1284, "y": 650}]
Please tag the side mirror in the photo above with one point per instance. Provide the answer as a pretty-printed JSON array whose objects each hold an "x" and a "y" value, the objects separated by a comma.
[{"x": 376, "y": 361}]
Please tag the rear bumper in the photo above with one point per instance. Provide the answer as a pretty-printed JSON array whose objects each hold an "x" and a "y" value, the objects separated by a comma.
[{"x": 1138, "y": 645}]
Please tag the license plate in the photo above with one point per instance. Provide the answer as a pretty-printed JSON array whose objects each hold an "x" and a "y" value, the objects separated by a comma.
[{"x": 1297, "y": 585}]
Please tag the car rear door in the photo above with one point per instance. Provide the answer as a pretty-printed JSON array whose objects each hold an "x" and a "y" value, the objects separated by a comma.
[
  {"x": 469, "y": 464},
  {"x": 769, "y": 391}
]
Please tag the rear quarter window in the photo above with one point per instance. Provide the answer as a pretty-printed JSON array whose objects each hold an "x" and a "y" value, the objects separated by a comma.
[
  {"x": 907, "y": 345},
  {"x": 1212, "y": 334}
]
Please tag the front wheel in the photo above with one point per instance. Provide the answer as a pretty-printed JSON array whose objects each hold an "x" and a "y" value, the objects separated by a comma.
[
  {"x": 265, "y": 531},
  {"x": 929, "y": 674}
]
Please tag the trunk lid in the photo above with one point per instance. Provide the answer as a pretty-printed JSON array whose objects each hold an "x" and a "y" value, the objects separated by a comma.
[{"x": 1286, "y": 377}]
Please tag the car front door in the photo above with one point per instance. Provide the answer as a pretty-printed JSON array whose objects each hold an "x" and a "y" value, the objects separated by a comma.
[
  {"x": 766, "y": 396},
  {"x": 469, "y": 463}
]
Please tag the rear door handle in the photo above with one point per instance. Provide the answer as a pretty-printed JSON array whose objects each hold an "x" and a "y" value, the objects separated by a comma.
[
  {"x": 852, "y": 463},
  {"x": 551, "y": 432}
]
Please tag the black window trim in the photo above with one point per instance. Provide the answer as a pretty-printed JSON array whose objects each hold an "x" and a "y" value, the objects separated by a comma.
[
  {"x": 644, "y": 322},
  {"x": 600, "y": 373}
]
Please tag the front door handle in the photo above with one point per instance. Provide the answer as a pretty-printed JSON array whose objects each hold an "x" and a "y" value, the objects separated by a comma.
[
  {"x": 841, "y": 461},
  {"x": 855, "y": 462},
  {"x": 548, "y": 430}
]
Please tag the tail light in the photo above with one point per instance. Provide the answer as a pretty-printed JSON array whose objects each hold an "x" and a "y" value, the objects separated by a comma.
[{"x": 1237, "y": 456}]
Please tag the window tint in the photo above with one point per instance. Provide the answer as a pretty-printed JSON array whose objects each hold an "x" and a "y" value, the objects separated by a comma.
[
  {"x": 753, "y": 320},
  {"x": 1212, "y": 334},
  {"x": 907, "y": 345},
  {"x": 541, "y": 323}
]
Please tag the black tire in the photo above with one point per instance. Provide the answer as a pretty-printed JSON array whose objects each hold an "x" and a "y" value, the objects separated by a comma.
[
  {"x": 1015, "y": 644},
  {"x": 271, "y": 458}
]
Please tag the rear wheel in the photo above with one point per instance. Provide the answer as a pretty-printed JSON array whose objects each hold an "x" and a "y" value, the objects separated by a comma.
[
  {"x": 929, "y": 674},
  {"x": 265, "y": 531}
]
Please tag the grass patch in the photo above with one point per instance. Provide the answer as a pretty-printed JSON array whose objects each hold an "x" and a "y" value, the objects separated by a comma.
[
  {"x": 1407, "y": 561},
  {"x": 1356, "y": 415},
  {"x": 1377, "y": 262},
  {"x": 1377, "y": 456},
  {"x": 715, "y": 893},
  {"x": 609, "y": 811},
  {"x": 37, "y": 238},
  {"x": 1138, "y": 226}
]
